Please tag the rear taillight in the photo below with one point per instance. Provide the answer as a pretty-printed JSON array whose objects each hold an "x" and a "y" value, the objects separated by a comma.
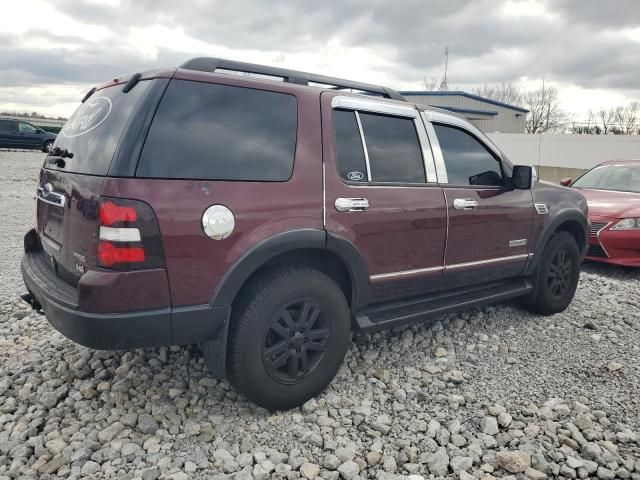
[{"x": 128, "y": 235}]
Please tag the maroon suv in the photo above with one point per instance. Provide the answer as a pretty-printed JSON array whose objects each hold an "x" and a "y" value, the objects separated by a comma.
[{"x": 239, "y": 207}]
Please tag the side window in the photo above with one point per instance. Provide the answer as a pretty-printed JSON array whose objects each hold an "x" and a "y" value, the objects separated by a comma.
[
  {"x": 393, "y": 148},
  {"x": 26, "y": 128},
  {"x": 349, "y": 152},
  {"x": 468, "y": 161},
  {"x": 219, "y": 132}
]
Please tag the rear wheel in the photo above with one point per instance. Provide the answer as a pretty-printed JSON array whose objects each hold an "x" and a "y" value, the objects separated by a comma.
[
  {"x": 289, "y": 334},
  {"x": 557, "y": 275}
]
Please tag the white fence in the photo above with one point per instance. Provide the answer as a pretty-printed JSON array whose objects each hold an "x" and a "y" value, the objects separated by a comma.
[{"x": 566, "y": 151}]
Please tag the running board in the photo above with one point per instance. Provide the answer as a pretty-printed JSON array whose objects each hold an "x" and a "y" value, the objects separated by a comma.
[{"x": 393, "y": 314}]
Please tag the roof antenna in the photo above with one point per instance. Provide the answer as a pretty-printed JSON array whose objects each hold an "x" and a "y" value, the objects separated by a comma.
[{"x": 443, "y": 85}]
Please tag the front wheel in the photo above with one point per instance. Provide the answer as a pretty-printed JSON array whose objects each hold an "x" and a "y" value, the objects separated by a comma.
[
  {"x": 557, "y": 275},
  {"x": 289, "y": 335}
]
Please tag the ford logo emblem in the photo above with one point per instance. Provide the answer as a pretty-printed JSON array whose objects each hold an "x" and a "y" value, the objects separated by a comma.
[{"x": 355, "y": 176}]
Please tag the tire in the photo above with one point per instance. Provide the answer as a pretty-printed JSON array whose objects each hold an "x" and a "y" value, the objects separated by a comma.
[
  {"x": 268, "y": 341},
  {"x": 46, "y": 147},
  {"x": 556, "y": 277}
]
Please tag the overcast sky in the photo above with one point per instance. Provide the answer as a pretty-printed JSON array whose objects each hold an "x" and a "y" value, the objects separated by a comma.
[{"x": 51, "y": 52}]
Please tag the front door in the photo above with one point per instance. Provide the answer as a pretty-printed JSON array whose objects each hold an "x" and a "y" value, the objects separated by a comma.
[
  {"x": 489, "y": 222},
  {"x": 381, "y": 193}
]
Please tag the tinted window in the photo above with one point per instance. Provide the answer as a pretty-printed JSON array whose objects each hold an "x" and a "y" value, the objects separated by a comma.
[
  {"x": 8, "y": 126},
  {"x": 218, "y": 132},
  {"x": 93, "y": 131},
  {"x": 26, "y": 128},
  {"x": 393, "y": 148},
  {"x": 468, "y": 162},
  {"x": 349, "y": 153}
]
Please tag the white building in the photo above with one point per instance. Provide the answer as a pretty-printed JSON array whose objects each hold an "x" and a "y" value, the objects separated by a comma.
[{"x": 488, "y": 115}]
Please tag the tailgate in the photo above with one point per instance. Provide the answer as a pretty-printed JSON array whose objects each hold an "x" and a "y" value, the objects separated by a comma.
[{"x": 72, "y": 177}]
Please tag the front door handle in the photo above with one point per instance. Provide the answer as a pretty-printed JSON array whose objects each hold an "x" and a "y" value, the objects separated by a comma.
[
  {"x": 465, "y": 204},
  {"x": 351, "y": 204}
]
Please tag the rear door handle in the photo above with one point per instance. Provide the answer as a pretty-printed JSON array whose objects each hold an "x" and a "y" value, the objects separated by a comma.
[
  {"x": 351, "y": 204},
  {"x": 465, "y": 204}
]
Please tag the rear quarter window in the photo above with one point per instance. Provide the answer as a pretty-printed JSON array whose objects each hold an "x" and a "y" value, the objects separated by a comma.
[{"x": 220, "y": 132}]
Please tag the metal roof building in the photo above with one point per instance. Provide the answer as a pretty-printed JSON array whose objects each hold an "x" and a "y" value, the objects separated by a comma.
[{"x": 488, "y": 115}]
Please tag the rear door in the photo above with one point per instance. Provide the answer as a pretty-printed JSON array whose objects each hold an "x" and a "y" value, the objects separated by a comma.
[
  {"x": 8, "y": 133},
  {"x": 71, "y": 182},
  {"x": 382, "y": 194},
  {"x": 489, "y": 222}
]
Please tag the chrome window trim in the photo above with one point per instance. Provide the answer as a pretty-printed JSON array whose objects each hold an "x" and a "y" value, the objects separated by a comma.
[
  {"x": 454, "y": 266},
  {"x": 364, "y": 146},
  {"x": 440, "y": 117},
  {"x": 374, "y": 106},
  {"x": 427, "y": 153},
  {"x": 441, "y": 169}
]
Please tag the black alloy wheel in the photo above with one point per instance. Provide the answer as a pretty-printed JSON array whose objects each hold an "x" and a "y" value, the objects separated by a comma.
[
  {"x": 559, "y": 274},
  {"x": 296, "y": 341}
]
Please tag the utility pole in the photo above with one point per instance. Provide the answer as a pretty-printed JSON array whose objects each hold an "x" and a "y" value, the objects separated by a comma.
[{"x": 443, "y": 85}]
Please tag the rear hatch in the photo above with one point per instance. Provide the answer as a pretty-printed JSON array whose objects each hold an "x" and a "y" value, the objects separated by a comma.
[{"x": 72, "y": 177}]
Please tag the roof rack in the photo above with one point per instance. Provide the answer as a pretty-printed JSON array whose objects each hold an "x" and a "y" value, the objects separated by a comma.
[{"x": 206, "y": 64}]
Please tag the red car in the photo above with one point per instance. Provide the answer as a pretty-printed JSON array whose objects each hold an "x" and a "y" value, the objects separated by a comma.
[{"x": 612, "y": 190}]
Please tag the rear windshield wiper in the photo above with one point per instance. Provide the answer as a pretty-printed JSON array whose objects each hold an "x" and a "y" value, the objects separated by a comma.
[
  {"x": 88, "y": 94},
  {"x": 57, "y": 156},
  {"x": 133, "y": 81}
]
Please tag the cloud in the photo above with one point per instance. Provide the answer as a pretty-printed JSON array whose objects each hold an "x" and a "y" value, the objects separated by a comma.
[{"x": 574, "y": 42}]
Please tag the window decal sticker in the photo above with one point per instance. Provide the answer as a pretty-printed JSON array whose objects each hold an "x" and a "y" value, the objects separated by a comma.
[{"x": 89, "y": 116}]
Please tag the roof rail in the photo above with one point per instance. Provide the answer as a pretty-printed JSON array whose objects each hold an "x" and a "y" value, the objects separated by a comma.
[{"x": 206, "y": 64}]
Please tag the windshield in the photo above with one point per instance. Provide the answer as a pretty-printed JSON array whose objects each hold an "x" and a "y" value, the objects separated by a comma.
[
  {"x": 90, "y": 137},
  {"x": 619, "y": 178}
]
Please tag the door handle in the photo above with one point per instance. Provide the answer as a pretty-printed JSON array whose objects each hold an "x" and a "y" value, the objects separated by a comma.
[
  {"x": 351, "y": 204},
  {"x": 465, "y": 204}
]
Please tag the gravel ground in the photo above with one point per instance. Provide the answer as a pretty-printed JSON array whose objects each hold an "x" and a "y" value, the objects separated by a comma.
[{"x": 489, "y": 393}]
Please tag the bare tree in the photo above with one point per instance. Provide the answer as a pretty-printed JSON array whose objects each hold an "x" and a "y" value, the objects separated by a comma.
[
  {"x": 431, "y": 84},
  {"x": 504, "y": 92},
  {"x": 626, "y": 118},
  {"x": 545, "y": 113},
  {"x": 605, "y": 117}
]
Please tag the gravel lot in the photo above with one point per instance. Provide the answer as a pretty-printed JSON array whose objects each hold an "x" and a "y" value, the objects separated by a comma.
[{"x": 491, "y": 392}]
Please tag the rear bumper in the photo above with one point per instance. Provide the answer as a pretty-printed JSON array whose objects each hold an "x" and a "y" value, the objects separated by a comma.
[{"x": 122, "y": 330}]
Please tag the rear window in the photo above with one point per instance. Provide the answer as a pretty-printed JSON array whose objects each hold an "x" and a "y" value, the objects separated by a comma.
[
  {"x": 220, "y": 132},
  {"x": 93, "y": 131}
]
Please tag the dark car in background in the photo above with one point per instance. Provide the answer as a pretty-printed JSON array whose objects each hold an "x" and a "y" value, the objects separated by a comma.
[
  {"x": 612, "y": 190},
  {"x": 19, "y": 134},
  {"x": 267, "y": 220}
]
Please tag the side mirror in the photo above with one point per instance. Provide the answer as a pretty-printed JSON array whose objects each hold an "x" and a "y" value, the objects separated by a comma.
[
  {"x": 565, "y": 182},
  {"x": 522, "y": 177}
]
